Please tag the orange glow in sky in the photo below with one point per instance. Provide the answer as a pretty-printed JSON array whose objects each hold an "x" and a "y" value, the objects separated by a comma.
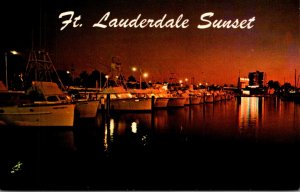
[{"x": 205, "y": 55}]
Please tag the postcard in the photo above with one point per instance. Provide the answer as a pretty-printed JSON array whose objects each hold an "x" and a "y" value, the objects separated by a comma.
[{"x": 150, "y": 95}]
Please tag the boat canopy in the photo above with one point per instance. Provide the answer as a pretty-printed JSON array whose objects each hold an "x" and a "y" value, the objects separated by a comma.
[{"x": 45, "y": 88}]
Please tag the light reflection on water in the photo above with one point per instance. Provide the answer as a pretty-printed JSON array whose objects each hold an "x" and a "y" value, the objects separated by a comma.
[
  {"x": 253, "y": 118},
  {"x": 248, "y": 113}
]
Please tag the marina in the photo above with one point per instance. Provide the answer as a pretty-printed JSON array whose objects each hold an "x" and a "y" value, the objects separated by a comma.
[{"x": 169, "y": 136}]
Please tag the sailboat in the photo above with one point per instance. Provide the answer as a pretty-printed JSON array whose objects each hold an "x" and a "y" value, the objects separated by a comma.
[{"x": 292, "y": 95}]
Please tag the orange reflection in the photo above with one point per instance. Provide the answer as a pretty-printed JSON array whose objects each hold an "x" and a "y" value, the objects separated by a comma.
[{"x": 250, "y": 113}]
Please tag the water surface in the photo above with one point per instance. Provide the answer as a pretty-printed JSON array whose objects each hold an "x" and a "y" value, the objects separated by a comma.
[{"x": 246, "y": 143}]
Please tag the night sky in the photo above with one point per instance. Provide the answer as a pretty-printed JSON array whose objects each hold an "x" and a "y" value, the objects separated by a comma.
[{"x": 211, "y": 55}]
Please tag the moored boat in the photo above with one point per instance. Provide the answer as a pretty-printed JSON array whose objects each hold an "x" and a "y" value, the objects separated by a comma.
[
  {"x": 43, "y": 104},
  {"x": 87, "y": 102},
  {"x": 176, "y": 100},
  {"x": 122, "y": 100}
]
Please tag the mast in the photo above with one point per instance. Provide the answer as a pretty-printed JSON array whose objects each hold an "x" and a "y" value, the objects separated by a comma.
[
  {"x": 115, "y": 74},
  {"x": 295, "y": 79},
  {"x": 41, "y": 68}
]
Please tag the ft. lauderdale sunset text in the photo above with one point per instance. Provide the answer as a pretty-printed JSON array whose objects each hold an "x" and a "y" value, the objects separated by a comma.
[{"x": 163, "y": 22}]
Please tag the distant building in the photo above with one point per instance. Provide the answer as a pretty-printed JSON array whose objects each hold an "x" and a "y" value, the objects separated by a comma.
[
  {"x": 253, "y": 85},
  {"x": 256, "y": 83},
  {"x": 256, "y": 79},
  {"x": 243, "y": 82}
]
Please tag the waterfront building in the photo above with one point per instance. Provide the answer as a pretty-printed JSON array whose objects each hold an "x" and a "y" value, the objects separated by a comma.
[
  {"x": 256, "y": 83},
  {"x": 256, "y": 79}
]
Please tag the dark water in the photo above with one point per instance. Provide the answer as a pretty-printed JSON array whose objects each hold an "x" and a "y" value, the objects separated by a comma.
[{"x": 243, "y": 144}]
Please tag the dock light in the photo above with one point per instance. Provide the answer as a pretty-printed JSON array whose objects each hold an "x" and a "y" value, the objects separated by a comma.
[
  {"x": 145, "y": 75},
  {"x": 14, "y": 52}
]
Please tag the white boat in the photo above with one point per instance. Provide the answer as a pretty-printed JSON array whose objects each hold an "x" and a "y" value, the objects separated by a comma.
[
  {"x": 175, "y": 101},
  {"x": 122, "y": 100},
  {"x": 209, "y": 98},
  {"x": 161, "y": 101},
  {"x": 87, "y": 102},
  {"x": 217, "y": 96},
  {"x": 161, "y": 98},
  {"x": 87, "y": 108},
  {"x": 190, "y": 98},
  {"x": 43, "y": 104}
]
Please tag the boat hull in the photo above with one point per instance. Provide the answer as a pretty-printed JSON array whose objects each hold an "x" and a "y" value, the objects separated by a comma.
[
  {"x": 193, "y": 100},
  {"x": 176, "y": 102},
  {"x": 161, "y": 102},
  {"x": 133, "y": 104},
  {"x": 38, "y": 115},
  {"x": 87, "y": 109}
]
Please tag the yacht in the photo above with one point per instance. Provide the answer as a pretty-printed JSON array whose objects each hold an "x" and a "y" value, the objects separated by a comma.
[
  {"x": 122, "y": 100},
  {"x": 87, "y": 102},
  {"x": 42, "y": 104},
  {"x": 160, "y": 97},
  {"x": 176, "y": 100}
]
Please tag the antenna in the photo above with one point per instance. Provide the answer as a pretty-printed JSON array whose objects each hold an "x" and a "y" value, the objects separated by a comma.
[{"x": 116, "y": 75}]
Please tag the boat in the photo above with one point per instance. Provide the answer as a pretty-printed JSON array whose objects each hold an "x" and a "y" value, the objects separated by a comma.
[
  {"x": 122, "y": 100},
  {"x": 42, "y": 104},
  {"x": 191, "y": 98},
  {"x": 291, "y": 96},
  {"x": 176, "y": 100},
  {"x": 161, "y": 98},
  {"x": 161, "y": 101},
  {"x": 209, "y": 97},
  {"x": 87, "y": 102}
]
